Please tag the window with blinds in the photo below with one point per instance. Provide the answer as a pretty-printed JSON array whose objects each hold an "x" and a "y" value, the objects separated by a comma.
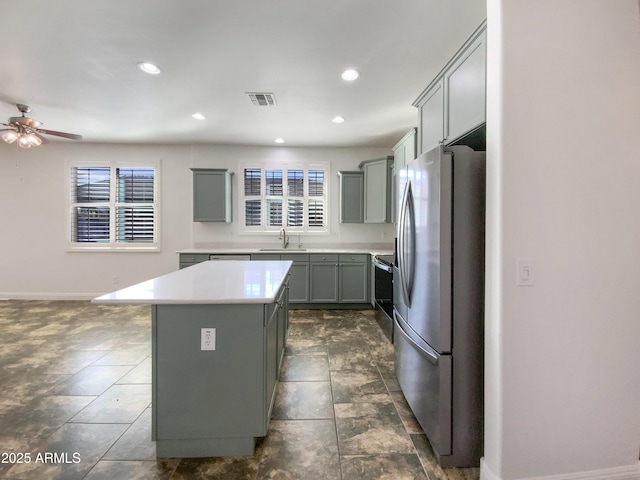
[
  {"x": 279, "y": 196},
  {"x": 113, "y": 206}
]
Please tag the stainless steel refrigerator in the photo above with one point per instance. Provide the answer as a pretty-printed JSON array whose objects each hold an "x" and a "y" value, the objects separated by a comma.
[{"x": 439, "y": 299}]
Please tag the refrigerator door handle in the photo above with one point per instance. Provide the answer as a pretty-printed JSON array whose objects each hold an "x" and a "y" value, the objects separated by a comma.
[
  {"x": 427, "y": 352},
  {"x": 400, "y": 249},
  {"x": 407, "y": 245},
  {"x": 410, "y": 264}
]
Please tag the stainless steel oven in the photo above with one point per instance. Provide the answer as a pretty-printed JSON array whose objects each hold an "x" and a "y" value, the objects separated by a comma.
[{"x": 383, "y": 293}]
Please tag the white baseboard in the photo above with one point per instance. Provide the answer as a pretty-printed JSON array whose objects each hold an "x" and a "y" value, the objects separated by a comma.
[
  {"x": 630, "y": 472},
  {"x": 47, "y": 296}
]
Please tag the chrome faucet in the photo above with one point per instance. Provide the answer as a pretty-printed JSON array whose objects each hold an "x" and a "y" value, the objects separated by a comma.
[{"x": 284, "y": 238}]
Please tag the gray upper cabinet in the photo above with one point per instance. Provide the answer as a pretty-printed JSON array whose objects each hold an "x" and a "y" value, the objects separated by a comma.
[
  {"x": 465, "y": 88},
  {"x": 405, "y": 150},
  {"x": 351, "y": 197},
  {"x": 454, "y": 103},
  {"x": 378, "y": 178},
  {"x": 431, "y": 117},
  {"x": 211, "y": 195}
]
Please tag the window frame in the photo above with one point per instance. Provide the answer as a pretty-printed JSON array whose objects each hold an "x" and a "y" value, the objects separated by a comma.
[
  {"x": 264, "y": 198},
  {"x": 113, "y": 245}
]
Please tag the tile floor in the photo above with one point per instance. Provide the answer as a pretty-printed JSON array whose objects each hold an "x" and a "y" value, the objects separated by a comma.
[{"x": 75, "y": 402}]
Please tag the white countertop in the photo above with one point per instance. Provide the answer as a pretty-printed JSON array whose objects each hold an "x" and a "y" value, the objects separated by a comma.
[
  {"x": 224, "y": 281},
  {"x": 291, "y": 250}
]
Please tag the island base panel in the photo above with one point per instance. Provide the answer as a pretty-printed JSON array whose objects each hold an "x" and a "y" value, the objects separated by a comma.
[{"x": 205, "y": 447}]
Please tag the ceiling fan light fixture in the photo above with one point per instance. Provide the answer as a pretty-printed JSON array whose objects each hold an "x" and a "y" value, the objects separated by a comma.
[
  {"x": 10, "y": 136},
  {"x": 34, "y": 140},
  {"x": 149, "y": 68},
  {"x": 23, "y": 142}
]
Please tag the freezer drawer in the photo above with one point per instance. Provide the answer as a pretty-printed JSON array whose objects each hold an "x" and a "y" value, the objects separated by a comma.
[{"x": 426, "y": 381}]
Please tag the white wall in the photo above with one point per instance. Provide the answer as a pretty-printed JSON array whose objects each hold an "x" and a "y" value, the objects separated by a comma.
[
  {"x": 563, "y": 356},
  {"x": 34, "y": 261}
]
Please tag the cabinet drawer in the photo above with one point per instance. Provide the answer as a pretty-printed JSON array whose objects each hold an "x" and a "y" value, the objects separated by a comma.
[
  {"x": 354, "y": 258},
  {"x": 319, "y": 258},
  {"x": 295, "y": 257},
  {"x": 193, "y": 257},
  {"x": 265, "y": 256}
]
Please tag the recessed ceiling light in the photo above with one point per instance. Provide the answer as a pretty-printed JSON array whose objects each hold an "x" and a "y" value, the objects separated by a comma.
[
  {"x": 279, "y": 140},
  {"x": 350, "y": 75},
  {"x": 338, "y": 119},
  {"x": 149, "y": 68},
  {"x": 198, "y": 116}
]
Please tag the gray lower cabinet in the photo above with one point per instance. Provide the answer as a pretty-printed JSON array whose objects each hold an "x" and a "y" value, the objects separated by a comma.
[
  {"x": 317, "y": 278},
  {"x": 353, "y": 279},
  {"x": 188, "y": 259},
  {"x": 215, "y": 403},
  {"x": 351, "y": 196},
  {"x": 323, "y": 278},
  {"x": 211, "y": 195},
  {"x": 265, "y": 256},
  {"x": 298, "y": 277}
]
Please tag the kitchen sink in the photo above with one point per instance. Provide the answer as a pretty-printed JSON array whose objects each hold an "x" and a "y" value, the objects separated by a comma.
[{"x": 282, "y": 250}]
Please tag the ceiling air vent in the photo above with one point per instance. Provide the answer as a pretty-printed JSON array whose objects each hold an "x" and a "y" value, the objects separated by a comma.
[{"x": 262, "y": 99}]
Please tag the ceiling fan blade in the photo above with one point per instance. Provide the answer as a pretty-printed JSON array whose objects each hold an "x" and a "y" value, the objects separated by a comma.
[
  {"x": 42, "y": 139},
  {"x": 72, "y": 136}
]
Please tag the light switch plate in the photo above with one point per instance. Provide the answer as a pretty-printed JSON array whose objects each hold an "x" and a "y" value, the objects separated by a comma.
[{"x": 525, "y": 272}]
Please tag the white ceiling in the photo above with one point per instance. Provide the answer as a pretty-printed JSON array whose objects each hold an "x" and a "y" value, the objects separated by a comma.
[{"x": 74, "y": 62}]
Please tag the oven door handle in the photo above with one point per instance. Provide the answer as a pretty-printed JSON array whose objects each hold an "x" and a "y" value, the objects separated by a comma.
[{"x": 382, "y": 266}]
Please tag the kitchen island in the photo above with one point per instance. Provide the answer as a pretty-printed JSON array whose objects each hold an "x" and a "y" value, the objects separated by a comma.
[{"x": 218, "y": 336}]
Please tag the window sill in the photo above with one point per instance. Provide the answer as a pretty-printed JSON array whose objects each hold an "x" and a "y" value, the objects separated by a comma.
[{"x": 110, "y": 249}]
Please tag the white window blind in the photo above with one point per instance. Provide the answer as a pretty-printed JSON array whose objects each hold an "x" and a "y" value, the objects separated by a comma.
[
  {"x": 113, "y": 207},
  {"x": 284, "y": 196}
]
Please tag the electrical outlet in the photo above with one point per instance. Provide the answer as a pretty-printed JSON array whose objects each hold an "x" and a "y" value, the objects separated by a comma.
[{"x": 207, "y": 339}]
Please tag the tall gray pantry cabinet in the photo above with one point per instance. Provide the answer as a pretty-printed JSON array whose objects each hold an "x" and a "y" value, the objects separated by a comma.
[{"x": 215, "y": 403}]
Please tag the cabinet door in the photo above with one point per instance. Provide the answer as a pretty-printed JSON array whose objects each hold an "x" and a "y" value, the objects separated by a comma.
[
  {"x": 299, "y": 286},
  {"x": 282, "y": 325},
  {"x": 298, "y": 277},
  {"x": 353, "y": 280},
  {"x": 323, "y": 276},
  {"x": 431, "y": 118},
  {"x": 211, "y": 195},
  {"x": 377, "y": 194},
  {"x": 398, "y": 157},
  {"x": 271, "y": 360},
  {"x": 465, "y": 90},
  {"x": 351, "y": 197}
]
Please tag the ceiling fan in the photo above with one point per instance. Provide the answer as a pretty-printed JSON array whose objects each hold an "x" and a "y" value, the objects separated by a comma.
[{"x": 27, "y": 131}]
